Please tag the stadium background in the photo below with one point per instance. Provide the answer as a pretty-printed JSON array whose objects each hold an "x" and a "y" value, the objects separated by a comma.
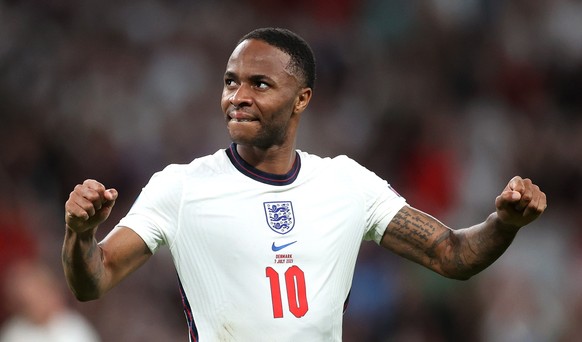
[{"x": 447, "y": 100}]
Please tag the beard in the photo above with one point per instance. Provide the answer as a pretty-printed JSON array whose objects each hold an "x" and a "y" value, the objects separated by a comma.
[
  {"x": 263, "y": 137},
  {"x": 260, "y": 134}
]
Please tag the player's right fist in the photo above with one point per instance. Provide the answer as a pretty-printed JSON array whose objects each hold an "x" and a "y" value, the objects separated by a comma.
[{"x": 89, "y": 204}]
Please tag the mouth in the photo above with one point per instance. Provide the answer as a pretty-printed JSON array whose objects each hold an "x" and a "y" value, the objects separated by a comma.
[
  {"x": 241, "y": 120},
  {"x": 240, "y": 117}
]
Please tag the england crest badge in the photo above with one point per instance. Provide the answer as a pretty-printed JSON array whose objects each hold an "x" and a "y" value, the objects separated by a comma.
[{"x": 280, "y": 217}]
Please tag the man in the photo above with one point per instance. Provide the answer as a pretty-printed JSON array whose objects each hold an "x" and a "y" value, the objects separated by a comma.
[{"x": 264, "y": 237}]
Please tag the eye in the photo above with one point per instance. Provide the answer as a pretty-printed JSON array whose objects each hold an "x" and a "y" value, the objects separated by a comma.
[
  {"x": 262, "y": 85},
  {"x": 229, "y": 82}
]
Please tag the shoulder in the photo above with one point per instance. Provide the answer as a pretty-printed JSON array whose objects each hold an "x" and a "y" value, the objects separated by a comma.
[
  {"x": 338, "y": 165},
  {"x": 208, "y": 164},
  {"x": 340, "y": 169},
  {"x": 313, "y": 159}
]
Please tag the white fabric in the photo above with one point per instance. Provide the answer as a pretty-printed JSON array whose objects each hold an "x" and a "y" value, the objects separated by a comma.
[{"x": 213, "y": 218}]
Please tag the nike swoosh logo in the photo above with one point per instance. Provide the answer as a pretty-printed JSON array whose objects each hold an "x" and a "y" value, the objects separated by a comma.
[{"x": 278, "y": 248}]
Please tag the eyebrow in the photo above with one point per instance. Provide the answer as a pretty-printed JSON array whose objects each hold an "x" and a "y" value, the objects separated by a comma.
[
  {"x": 252, "y": 78},
  {"x": 258, "y": 78},
  {"x": 230, "y": 74}
]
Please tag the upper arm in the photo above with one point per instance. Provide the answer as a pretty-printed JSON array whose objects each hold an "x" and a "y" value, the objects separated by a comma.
[
  {"x": 419, "y": 237},
  {"x": 123, "y": 251}
]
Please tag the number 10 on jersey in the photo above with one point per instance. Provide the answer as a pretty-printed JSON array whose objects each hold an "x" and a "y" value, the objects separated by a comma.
[{"x": 294, "y": 279}]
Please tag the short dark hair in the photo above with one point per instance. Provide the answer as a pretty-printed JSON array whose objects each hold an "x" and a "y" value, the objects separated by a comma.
[{"x": 302, "y": 58}]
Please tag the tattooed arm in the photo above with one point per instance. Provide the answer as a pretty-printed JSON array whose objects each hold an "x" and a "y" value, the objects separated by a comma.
[
  {"x": 462, "y": 253},
  {"x": 93, "y": 268}
]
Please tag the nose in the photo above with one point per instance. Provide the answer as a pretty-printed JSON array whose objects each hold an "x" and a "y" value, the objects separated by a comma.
[{"x": 241, "y": 97}]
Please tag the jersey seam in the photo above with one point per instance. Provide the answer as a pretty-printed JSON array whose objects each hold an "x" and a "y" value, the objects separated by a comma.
[{"x": 178, "y": 213}]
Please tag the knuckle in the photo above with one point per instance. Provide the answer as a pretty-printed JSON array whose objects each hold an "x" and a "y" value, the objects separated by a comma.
[
  {"x": 93, "y": 184},
  {"x": 92, "y": 195},
  {"x": 90, "y": 206}
]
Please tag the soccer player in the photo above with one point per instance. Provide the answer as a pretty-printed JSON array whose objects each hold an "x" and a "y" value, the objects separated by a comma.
[{"x": 265, "y": 237}]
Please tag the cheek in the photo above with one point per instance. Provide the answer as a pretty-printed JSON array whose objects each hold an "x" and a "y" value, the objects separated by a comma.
[
  {"x": 224, "y": 101},
  {"x": 283, "y": 110}
]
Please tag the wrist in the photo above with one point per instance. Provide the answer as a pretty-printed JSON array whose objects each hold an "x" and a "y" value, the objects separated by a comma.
[
  {"x": 502, "y": 225},
  {"x": 88, "y": 234}
]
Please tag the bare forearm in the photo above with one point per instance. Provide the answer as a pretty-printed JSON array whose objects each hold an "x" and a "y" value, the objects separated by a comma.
[
  {"x": 475, "y": 248},
  {"x": 83, "y": 264},
  {"x": 469, "y": 251},
  {"x": 457, "y": 254},
  {"x": 93, "y": 268},
  {"x": 463, "y": 253}
]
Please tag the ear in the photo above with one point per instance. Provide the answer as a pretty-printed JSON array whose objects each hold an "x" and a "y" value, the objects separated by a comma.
[{"x": 303, "y": 98}]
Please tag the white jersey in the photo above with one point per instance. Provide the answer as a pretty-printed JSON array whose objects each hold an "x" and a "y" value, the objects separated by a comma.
[{"x": 264, "y": 257}]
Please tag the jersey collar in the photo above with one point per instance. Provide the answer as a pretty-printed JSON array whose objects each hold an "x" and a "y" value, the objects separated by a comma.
[{"x": 261, "y": 176}]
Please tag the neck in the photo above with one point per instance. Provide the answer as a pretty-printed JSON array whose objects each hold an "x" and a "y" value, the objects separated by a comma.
[{"x": 276, "y": 160}]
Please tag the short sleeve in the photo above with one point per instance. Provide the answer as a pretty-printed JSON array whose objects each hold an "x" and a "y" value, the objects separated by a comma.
[
  {"x": 154, "y": 215},
  {"x": 382, "y": 202},
  {"x": 381, "y": 210}
]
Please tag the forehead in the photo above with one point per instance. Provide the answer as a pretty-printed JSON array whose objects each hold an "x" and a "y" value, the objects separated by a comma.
[{"x": 257, "y": 57}]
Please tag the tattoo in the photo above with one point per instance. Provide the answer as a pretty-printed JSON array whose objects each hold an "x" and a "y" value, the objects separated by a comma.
[
  {"x": 97, "y": 272},
  {"x": 455, "y": 253},
  {"x": 416, "y": 232},
  {"x": 411, "y": 230},
  {"x": 83, "y": 263},
  {"x": 455, "y": 258},
  {"x": 431, "y": 252},
  {"x": 426, "y": 240}
]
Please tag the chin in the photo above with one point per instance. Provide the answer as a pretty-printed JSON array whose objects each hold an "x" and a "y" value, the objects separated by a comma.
[
  {"x": 261, "y": 141},
  {"x": 241, "y": 140}
]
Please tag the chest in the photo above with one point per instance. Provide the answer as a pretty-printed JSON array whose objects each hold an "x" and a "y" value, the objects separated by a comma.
[{"x": 273, "y": 224}]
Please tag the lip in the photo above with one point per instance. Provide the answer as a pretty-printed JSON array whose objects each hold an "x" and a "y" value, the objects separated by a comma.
[{"x": 240, "y": 116}]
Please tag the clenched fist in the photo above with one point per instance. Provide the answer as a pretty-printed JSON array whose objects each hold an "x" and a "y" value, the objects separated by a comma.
[
  {"x": 89, "y": 204},
  {"x": 520, "y": 202}
]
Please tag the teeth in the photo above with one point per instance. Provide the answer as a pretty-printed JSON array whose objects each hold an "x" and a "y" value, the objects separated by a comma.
[{"x": 242, "y": 120}]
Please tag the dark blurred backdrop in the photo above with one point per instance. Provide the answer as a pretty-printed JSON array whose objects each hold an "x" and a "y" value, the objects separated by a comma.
[{"x": 447, "y": 100}]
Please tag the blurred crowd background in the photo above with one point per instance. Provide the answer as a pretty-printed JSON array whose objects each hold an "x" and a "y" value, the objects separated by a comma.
[{"x": 447, "y": 100}]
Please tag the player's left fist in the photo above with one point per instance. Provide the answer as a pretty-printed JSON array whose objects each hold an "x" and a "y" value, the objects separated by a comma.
[{"x": 520, "y": 202}]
